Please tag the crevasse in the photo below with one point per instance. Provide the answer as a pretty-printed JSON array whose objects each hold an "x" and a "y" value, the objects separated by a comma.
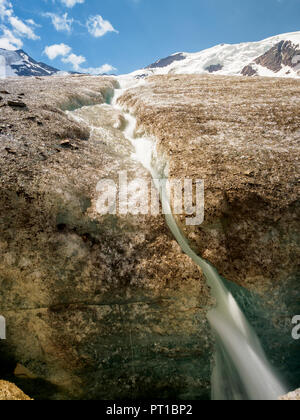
[{"x": 241, "y": 370}]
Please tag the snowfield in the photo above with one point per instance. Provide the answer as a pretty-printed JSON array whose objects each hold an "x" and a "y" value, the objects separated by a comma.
[
  {"x": 227, "y": 59},
  {"x": 278, "y": 56}
]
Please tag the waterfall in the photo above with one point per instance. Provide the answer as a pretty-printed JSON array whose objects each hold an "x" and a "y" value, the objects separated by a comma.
[
  {"x": 2, "y": 67},
  {"x": 241, "y": 371}
]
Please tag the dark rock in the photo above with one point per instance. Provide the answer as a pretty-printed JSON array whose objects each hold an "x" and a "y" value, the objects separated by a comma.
[
  {"x": 30, "y": 67},
  {"x": 141, "y": 76},
  {"x": 282, "y": 54},
  {"x": 249, "y": 71},
  {"x": 164, "y": 62},
  {"x": 10, "y": 151},
  {"x": 43, "y": 156},
  {"x": 214, "y": 68},
  {"x": 16, "y": 104},
  {"x": 66, "y": 144}
]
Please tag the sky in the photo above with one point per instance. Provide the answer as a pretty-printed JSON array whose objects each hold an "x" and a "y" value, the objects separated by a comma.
[{"x": 120, "y": 36}]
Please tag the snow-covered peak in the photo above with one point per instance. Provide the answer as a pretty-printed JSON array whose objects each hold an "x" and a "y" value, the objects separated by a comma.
[
  {"x": 18, "y": 63},
  {"x": 276, "y": 56},
  {"x": 290, "y": 36}
]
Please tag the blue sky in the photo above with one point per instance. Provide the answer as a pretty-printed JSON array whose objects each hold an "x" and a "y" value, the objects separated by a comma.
[{"x": 124, "y": 35}]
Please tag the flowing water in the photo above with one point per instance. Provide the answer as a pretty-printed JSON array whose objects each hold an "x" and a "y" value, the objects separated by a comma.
[{"x": 242, "y": 371}]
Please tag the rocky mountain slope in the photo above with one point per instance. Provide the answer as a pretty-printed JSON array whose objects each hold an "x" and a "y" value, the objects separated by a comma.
[
  {"x": 18, "y": 63},
  {"x": 278, "y": 56}
]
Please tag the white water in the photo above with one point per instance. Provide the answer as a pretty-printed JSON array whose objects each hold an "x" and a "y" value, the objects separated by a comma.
[{"x": 242, "y": 371}]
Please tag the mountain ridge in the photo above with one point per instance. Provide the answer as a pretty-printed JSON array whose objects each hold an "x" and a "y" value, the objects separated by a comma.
[
  {"x": 277, "y": 56},
  {"x": 19, "y": 63}
]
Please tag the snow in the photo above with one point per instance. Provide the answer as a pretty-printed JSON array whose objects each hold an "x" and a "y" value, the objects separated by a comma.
[
  {"x": 296, "y": 59},
  {"x": 232, "y": 58},
  {"x": 23, "y": 61},
  {"x": 9, "y": 58}
]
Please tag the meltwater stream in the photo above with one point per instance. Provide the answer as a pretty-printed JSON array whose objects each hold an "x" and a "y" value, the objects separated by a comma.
[{"x": 242, "y": 371}]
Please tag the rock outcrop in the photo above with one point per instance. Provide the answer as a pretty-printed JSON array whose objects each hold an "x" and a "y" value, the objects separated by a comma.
[
  {"x": 214, "y": 68},
  {"x": 249, "y": 71},
  {"x": 9, "y": 392},
  {"x": 292, "y": 396},
  {"x": 282, "y": 54},
  {"x": 167, "y": 61}
]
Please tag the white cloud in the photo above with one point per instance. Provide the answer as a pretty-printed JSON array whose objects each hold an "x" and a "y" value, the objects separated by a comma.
[
  {"x": 21, "y": 28},
  {"x": 9, "y": 41},
  {"x": 98, "y": 27},
  {"x": 65, "y": 52},
  {"x": 10, "y": 38},
  {"x": 61, "y": 23},
  {"x": 71, "y": 3},
  {"x": 75, "y": 60},
  {"x": 106, "y": 68},
  {"x": 6, "y": 9},
  {"x": 32, "y": 23},
  {"x": 57, "y": 50}
]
